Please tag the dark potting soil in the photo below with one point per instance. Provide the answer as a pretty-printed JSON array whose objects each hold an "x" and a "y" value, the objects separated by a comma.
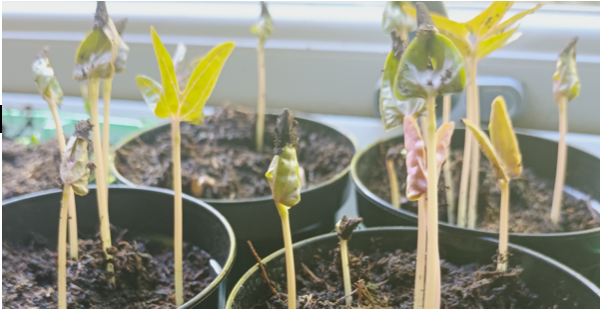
[
  {"x": 386, "y": 280},
  {"x": 143, "y": 274},
  {"x": 29, "y": 169},
  {"x": 221, "y": 153},
  {"x": 530, "y": 198}
]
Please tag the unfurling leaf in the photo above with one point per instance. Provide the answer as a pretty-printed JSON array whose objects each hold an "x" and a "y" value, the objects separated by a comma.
[
  {"x": 441, "y": 22},
  {"x": 123, "y": 51},
  {"x": 515, "y": 18},
  {"x": 416, "y": 182},
  {"x": 487, "y": 19},
  {"x": 150, "y": 90},
  {"x": 488, "y": 150},
  {"x": 391, "y": 108},
  {"x": 565, "y": 81},
  {"x": 504, "y": 140},
  {"x": 283, "y": 174},
  {"x": 168, "y": 106},
  {"x": 394, "y": 17},
  {"x": 444, "y": 137},
  {"x": 264, "y": 27},
  {"x": 493, "y": 43},
  {"x": 74, "y": 170},
  {"x": 44, "y": 78},
  {"x": 346, "y": 226}
]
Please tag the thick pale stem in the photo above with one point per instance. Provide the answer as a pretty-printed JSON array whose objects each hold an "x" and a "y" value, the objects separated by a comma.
[
  {"x": 447, "y": 172},
  {"x": 178, "y": 213},
  {"x": 403, "y": 34},
  {"x": 262, "y": 96},
  {"x": 475, "y": 153},
  {"x": 289, "y": 255},
  {"x": 503, "y": 244},
  {"x": 346, "y": 271},
  {"x": 561, "y": 163},
  {"x": 461, "y": 217},
  {"x": 432, "y": 289},
  {"x": 421, "y": 255},
  {"x": 73, "y": 239},
  {"x": 102, "y": 186},
  {"x": 394, "y": 187},
  {"x": 62, "y": 249},
  {"x": 106, "y": 91}
]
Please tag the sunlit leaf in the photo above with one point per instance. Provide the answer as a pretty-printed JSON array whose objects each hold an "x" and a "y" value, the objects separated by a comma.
[
  {"x": 487, "y": 19},
  {"x": 493, "y": 43},
  {"x": 458, "y": 29},
  {"x": 461, "y": 44},
  {"x": 565, "y": 81},
  {"x": 169, "y": 101},
  {"x": 202, "y": 82},
  {"x": 488, "y": 150},
  {"x": 151, "y": 91},
  {"x": 509, "y": 22},
  {"x": 394, "y": 18},
  {"x": 504, "y": 139},
  {"x": 416, "y": 181},
  {"x": 44, "y": 78},
  {"x": 94, "y": 57},
  {"x": 444, "y": 137},
  {"x": 264, "y": 27}
]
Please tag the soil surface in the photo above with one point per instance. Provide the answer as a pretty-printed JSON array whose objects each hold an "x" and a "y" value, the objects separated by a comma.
[
  {"x": 143, "y": 273},
  {"x": 530, "y": 198},
  {"x": 220, "y": 154},
  {"x": 29, "y": 169},
  {"x": 386, "y": 280}
]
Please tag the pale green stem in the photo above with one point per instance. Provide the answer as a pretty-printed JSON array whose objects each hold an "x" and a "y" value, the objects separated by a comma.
[
  {"x": 561, "y": 163},
  {"x": 503, "y": 240},
  {"x": 262, "y": 96},
  {"x": 394, "y": 187},
  {"x": 62, "y": 249},
  {"x": 475, "y": 153},
  {"x": 421, "y": 255},
  {"x": 346, "y": 271},
  {"x": 107, "y": 89},
  {"x": 178, "y": 214},
  {"x": 289, "y": 255},
  {"x": 447, "y": 172}
]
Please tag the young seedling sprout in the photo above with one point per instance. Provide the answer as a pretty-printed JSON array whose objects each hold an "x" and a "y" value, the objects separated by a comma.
[
  {"x": 489, "y": 35},
  {"x": 396, "y": 20},
  {"x": 504, "y": 155},
  {"x": 430, "y": 66},
  {"x": 284, "y": 179},
  {"x": 51, "y": 92},
  {"x": 565, "y": 85},
  {"x": 74, "y": 173},
  {"x": 99, "y": 55},
  {"x": 187, "y": 105},
  {"x": 344, "y": 228},
  {"x": 263, "y": 29}
]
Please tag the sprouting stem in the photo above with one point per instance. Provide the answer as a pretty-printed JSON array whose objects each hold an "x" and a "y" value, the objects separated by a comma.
[
  {"x": 178, "y": 212},
  {"x": 107, "y": 89},
  {"x": 62, "y": 248},
  {"x": 432, "y": 289},
  {"x": 561, "y": 163},
  {"x": 461, "y": 217},
  {"x": 421, "y": 255},
  {"x": 394, "y": 187},
  {"x": 262, "y": 96},
  {"x": 346, "y": 271},
  {"x": 447, "y": 172},
  {"x": 289, "y": 255},
  {"x": 503, "y": 243},
  {"x": 102, "y": 188},
  {"x": 475, "y": 153}
]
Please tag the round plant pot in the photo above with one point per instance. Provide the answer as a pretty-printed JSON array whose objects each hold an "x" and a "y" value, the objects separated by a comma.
[
  {"x": 579, "y": 250},
  {"x": 256, "y": 219},
  {"x": 142, "y": 211},
  {"x": 541, "y": 274}
]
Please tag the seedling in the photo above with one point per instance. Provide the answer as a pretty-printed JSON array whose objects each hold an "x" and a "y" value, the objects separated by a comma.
[
  {"x": 396, "y": 20},
  {"x": 489, "y": 35},
  {"x": 187, "y": 105},
  {"x": 430, "y": 66},
  {"x": 565, "y": 85},
  {"x": 504, "y": 155},
  {"x": 74, "y": 173},
  {"x": 263, "y": 29},
  {"x": 99, "y": 55},
  {"x": 284, "y": 179},
  {"x": 344, "y": 228},
  {"x": 51, "y": 92}
]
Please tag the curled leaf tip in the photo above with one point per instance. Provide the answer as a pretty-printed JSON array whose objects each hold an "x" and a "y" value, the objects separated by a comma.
[
  {"x": 44, "y": 52},
  {"x": 424, "y": 21},
  {"x": 82, "y": 129},
  {"x": 346, "y": 226},
  {"x": 101, "y": 16},
  {"x": 285, "y": 131},
  {"x": 120, "y": 25},
  {"x": 263, "y": 8},
  {"x": 264, "y": 27},
  {"x": 565, "y": 81},
  {"x": 397, "y": 44},
  {"x": 570, "y": 46}
]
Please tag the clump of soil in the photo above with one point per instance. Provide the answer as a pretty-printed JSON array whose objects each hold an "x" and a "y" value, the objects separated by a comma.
[
  {"x": 221, "y": 153},
  {"x": 143, "y": 273},
  {"x": 29, "y": 169},
  {"x": 386, "y": 280},
  {"x": 530, "y": 198}
]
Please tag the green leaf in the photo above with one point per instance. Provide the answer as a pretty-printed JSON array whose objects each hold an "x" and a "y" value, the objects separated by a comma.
[
  {"x": 509, "y": 22},
  {"x": 430, "y": 63},
  {"x": 458, "y": 29},
  {"x": 46, "y": 81},
  {"x": 169, "y": 101},
  {"x": 493, "y": 43},
  {"x": 202, "y": 82},
  {"x": 486, "y": 20},
  {"x": 394, "y": 17},
  {"x": 391, "y": 108},
  {"x": 284, "y": 178},
  {"x": 264, "y": 27},
  {"x": 488, "y": 150},
  {"x": 565, "y": 81},
  {"x": 123, "y": 48},
  {"x": 504, "y": 139},
  {"x": 151, "y": 91},
  {"x": 94, "y": 57},
  {"x": 462, "y": 44}
]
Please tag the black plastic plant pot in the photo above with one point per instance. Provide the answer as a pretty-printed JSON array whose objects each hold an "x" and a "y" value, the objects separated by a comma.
[
  {"x": 256, "y": 219},
  {"x": 579, "y": 250},
  {"x": 142, "y": 211},
  {"x": 541, "y": 274}
]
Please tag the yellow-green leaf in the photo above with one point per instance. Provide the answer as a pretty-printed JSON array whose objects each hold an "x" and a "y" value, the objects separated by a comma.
[
  {"x": 488, "y": 150},
  {"x": 458, "y": 29},
  {"x": 151, "y": 91},
  {"x": 462, "y": 44},
  {"x": 487, "y": 19},
  {"x": 504, "y": 139},
  {"x": 94, "y": 57},
  {"x": 169, "y": 102},
  {"x": 565, "y": 81},
  {"x": 202, "y": 82},
  {"x": 394, "y": 18},
  {"x": 44, "y": 78},
  {"x": 284, "y": 178},
  {"x": 509, "y": 22},
  {"x": 493, "y": 43},
  {"x": 264, "y": 27}
]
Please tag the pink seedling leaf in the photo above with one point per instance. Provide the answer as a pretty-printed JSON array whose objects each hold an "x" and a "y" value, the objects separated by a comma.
[
  {"x": 415, "y": 159},
  {"x": 444, "y": 136}
]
